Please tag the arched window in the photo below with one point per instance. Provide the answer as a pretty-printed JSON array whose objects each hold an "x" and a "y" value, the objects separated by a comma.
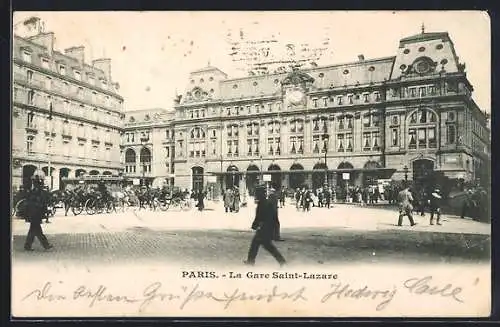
[
  {"x": 146, "y": 159},
  {"x": 197, "y": 143},
  {"x": 422, "y": 130},
  {"x": 130, "y": 160}
]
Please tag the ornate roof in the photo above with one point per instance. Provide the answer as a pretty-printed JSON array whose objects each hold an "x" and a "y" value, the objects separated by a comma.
[
  {"x": 422, "y": 37},
  {"x": 297, "y": 77}
]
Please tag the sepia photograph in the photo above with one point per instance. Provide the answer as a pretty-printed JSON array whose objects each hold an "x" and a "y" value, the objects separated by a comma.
[{"x": 251, "y": 164}]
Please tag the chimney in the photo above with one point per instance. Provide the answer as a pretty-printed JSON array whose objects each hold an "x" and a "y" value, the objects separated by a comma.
[
  {"x": 361, "y": 57},
  {"x": 44, "y": 39},
  {"x": 103, "y": 64},
  {"x": 76, "y": 52}
]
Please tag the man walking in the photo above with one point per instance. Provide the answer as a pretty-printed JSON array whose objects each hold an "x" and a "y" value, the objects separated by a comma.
[
  {"x": 405, "y": 207},
  {"x": 35, "y": 211},
  {"x": 265, "y": 224},
  {"x": 435, "y": 206}
]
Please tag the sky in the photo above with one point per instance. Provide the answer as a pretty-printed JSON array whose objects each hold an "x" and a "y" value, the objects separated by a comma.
[{"x": 152, "y": 53}]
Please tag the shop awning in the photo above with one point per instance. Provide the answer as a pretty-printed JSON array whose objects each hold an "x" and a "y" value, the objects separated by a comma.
[{"x": 383, "y": 173}]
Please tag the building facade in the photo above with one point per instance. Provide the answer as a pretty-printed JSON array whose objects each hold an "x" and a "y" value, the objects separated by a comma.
[
  {"x": 408, "y": 116},
  {"x": 67, "y": 115},
  {"x": 148, "y": 146}
]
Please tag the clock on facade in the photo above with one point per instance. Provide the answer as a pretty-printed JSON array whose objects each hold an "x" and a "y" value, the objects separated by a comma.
[{"x": 295, "y": 96}]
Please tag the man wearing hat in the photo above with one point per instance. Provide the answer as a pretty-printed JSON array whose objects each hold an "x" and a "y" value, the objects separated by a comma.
[
  {"x": 435, "y": 206},
  {"x": 264, "y": 224},
  {"x": 405, "y": 207},
  {"x": 35, "y": 211}
]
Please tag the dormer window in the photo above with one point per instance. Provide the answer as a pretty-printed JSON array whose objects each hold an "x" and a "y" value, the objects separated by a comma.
[
  {"x": 27, "y": 56},
  {"x": 45, "y": 63},
  {"x": 91, "y": 80},
  {"x": 62, "y": 69},
  {"x": 78, "y": 75},
  {"x": 104, "y": 84}
]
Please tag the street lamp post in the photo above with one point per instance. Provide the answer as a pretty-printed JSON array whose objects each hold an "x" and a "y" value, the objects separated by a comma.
[
  {"x": 144, "y": 141},
  {"x": 405, "y": 168},
  {"x": 325, "y": 139}
]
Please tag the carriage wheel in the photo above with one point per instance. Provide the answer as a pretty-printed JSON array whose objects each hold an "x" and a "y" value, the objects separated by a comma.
[
  {"x": 110, "y": 207},
  {"x": 77, "y": 207},
  {"x": 99, "y": 206},
  {"x": 90, "y": 206},
  {"x": 17, "y": 207},
  {"x": 164, "y": 205}
]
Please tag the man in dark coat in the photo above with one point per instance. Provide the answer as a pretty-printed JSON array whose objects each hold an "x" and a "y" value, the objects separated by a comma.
[
  {"x": 435, "y": 206},
  {"x": 35, "y": 211},
  {"x": 264, "y": 224}
]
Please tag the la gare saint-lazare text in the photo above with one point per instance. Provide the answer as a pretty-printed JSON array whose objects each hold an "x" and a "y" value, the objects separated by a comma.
[{"x": 257, "y": 275}]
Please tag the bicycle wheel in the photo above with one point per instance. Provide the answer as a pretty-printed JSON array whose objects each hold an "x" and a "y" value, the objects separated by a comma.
[
  {"x": 90, "y": 206},
  {"x": 164, "y": 205},
  {"x": 99, "y": 206},
  {"x": 18, "y": 208},
  {"x": 77, "y": 207},
  {"x": 110, "y": 207}
]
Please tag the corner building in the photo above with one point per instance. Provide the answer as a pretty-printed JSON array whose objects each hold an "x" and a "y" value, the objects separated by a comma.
[
  {"x": 67, "y": 114},
  {"x": 406, "y": 116}
]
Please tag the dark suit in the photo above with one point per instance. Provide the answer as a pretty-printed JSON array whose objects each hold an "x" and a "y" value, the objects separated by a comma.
[
  {"x": 265, "y": 223},
  {"x": 36, "y": 210}
]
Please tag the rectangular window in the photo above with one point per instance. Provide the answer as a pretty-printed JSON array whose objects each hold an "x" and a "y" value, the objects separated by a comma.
[
  {"x": 270, "y": 106},
  {"x": 29, "y": 75},
  {"x": 249, "y": 109},
  {"x": 377, "y": 96},
  {"x": 167, "y": 152},
  {"x": 413, "y": 91},
  {"x": 422, "y": 138},
  {"x": 349, "y": 122},
  {"x": 349, "y": 144},
  {"x": 27, "y": 56},
  {"x": 78, "y": 75},
  {"x": 367, "y": 142},
  {"x": 339, "y": 100},
  {"x": 395, "y": 137},
  {"x": 325, "y": 102},
  {"x": 315, "y": 103},
  {"x": 228, "y": 111},
  {"x": 422, "y": 91},
  {"x": 376, "y": 141},
  {"x": 316, "y": 144},
  {"x": 366, "y": 97},
  {"x": 340, "y": 143},
  {"x": 431, "y": 90},
  {"x": 229, "y": 147},
  {"x": 62, "y": 70},
  {"x": 91, "y": 80},
  {"x": 48, "y": 83},
  {"x": 349, "y": 99},
  {"x": 432, "y": 137},
  {"x": 45, "y": 63},
  {"x": 29, "y": 143},
  {"x": 450, "y": 134}
]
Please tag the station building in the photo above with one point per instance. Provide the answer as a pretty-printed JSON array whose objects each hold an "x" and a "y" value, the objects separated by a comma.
[{"x": 406, "y": 116}]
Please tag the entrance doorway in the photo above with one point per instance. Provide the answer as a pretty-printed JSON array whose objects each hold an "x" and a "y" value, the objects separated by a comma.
[
  {"x": 423, "y": 172},
  {"x": 318, "y": 177},
  {"x": 297, "y": 176},
  {"x": 275, "y": 172},
  {"x": 252, "y": 179},
  {"x": 233, "y": 177},
  {"x": 197, "y": 178}
]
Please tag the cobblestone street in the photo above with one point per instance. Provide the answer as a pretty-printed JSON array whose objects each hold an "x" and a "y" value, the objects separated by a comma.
[{"x": 344, "y": 233}]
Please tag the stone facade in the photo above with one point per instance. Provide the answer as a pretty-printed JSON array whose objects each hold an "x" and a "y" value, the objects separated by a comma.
[
  {"x": 66, "y": 114},
  {"x": 404, "y": 116}
]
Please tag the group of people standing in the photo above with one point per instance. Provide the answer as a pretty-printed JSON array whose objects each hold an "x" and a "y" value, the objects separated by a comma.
[
  {"x": 306, "y": 198},
  {"x": 232, "y": 199}
]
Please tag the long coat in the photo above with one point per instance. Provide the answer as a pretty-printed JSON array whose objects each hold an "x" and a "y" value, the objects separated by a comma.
[
  {"x": 36, "y": 206},
  {"x": 405, "y": 200},
  {"x": 266, "y": 218},
  {"x": 228, "y": 199}
]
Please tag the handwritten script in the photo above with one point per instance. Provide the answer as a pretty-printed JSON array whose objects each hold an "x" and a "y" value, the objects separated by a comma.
[{"x": 184, "y": 296}]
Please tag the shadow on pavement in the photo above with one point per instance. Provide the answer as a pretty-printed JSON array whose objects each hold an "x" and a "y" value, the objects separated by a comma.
[{"x": 218, "y": 247}]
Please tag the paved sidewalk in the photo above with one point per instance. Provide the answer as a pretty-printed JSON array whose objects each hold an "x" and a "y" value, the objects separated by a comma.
[{"x": 341, "y": 216}]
